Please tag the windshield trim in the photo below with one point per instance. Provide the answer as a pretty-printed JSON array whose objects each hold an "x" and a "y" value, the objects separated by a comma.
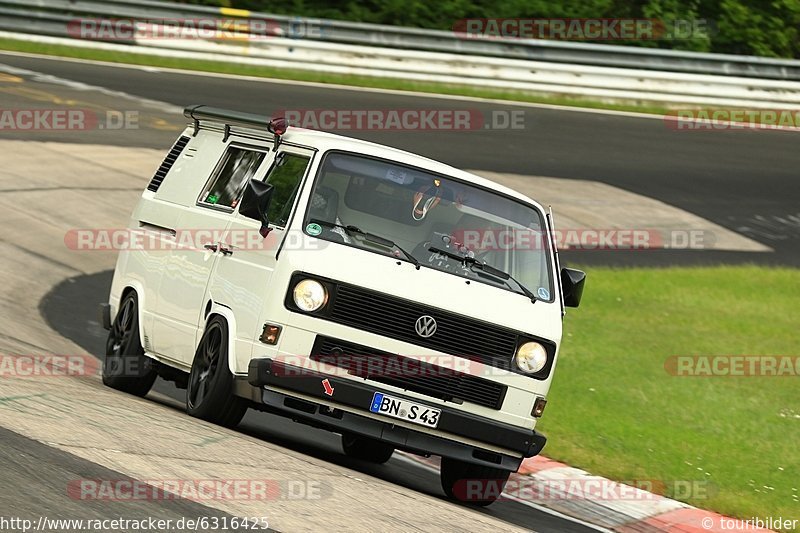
[{"x": 547, "y": 246}]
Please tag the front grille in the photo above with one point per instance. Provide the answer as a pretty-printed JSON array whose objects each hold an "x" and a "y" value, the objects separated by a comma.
[
  {"x": 169, "y": 160},
  {"x": 409, "y": 374},
  {"x": 396, "y": 318}
]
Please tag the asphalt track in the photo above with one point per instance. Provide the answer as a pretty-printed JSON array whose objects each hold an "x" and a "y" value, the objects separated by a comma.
[
  {"x": 746, "y": 181},
  {"x": 41, "y": 472}
]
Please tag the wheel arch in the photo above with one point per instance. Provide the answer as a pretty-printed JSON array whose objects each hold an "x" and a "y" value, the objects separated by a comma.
[
  {"x": 226, "y": 313},
  {"x": 138, "y": 288}
]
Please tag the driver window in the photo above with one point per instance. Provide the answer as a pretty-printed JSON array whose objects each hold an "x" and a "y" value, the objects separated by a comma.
[{"x": 285, "y": 176}]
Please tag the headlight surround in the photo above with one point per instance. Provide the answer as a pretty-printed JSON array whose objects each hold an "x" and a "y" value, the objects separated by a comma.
[
  {"x": 310, "y": 295},
  {"x": 531, "y": 357}
]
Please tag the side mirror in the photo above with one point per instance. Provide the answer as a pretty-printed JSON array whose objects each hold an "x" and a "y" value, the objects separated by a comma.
[
  {"x": 572, "y": 282},
  {"x": 255, "y": 203}
]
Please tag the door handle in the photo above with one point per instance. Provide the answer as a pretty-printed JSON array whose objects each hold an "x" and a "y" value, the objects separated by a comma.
[
  {"x": 225, "y": 251},
  {"x": 156, "y": 228},
  {"x": 211, "y": 246}
]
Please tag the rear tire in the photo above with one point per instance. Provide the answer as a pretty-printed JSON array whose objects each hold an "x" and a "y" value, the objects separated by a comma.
[
  {"x": 366, "y": 449},
  {"x": 209, "y": 394},
  {"x": 126, "y": 367},
  {"x": 472, "y": 484}
]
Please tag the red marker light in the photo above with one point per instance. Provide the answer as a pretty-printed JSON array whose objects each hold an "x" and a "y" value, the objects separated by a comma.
[{"x": 277, "y": 126}]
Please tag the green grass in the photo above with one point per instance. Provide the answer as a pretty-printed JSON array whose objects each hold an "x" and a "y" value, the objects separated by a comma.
[
  {"x": 614, "y": 410},
  {"x": 319, "y": 77}
]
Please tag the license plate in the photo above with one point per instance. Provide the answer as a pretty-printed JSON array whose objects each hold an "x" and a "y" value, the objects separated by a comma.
[{"x": 405, "y": 410}]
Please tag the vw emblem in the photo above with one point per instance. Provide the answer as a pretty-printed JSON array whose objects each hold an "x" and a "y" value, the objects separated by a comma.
[{"x": 425, "y": 326}]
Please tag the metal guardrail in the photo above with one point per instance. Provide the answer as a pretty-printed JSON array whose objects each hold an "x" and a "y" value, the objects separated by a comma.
[{"x": 49, "y": 17}]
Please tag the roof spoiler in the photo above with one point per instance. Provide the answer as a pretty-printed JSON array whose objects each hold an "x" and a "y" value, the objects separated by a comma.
[{"x": 276, "y": 126}]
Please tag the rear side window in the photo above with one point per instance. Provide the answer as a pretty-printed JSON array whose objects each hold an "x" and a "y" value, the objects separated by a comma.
[
  {"x": 236, "y": 167},
  {"x": 285, "y": 176}
]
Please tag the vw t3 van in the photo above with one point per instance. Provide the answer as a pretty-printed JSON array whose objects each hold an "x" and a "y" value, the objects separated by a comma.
[{"x": 395, "y": 300}]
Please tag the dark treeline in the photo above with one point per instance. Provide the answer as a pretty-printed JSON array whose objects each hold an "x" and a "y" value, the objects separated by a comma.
[{"x": 754, "y": 27}]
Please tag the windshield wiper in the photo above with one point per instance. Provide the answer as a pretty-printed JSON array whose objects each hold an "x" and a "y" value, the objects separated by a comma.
[
  {"x": 485, "y": 267},
  {"x": 370, "y": 237}
]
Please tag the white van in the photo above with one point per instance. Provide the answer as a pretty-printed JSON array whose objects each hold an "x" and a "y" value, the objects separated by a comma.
[{"x": 398, "y": 301}]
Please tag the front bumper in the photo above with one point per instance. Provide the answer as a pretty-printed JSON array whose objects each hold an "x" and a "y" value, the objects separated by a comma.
[{"x": 268, "y": 375}]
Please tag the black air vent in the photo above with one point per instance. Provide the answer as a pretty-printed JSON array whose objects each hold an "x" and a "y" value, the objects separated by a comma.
[
  {"x": 410, "y": 374},
  {"x": 172, "y": 156},
  {"x": 395, "y": 318}
]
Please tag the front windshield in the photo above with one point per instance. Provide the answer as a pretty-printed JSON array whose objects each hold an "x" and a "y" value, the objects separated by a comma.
[{"x": 435, "y": 219}]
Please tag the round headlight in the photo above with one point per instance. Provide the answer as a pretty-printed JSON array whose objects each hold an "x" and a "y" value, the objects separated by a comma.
[
  {"x": 531, "y": 357},
  {"x": 310, "y": 295}
]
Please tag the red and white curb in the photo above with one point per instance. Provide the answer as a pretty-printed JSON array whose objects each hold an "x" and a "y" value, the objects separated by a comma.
[{"x": 607, "y": 505}]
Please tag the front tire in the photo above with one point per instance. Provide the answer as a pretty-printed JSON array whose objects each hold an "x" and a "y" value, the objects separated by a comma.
[
  {"x": 366, "y": 449},
  {"x": 126, "y": 367},
  {"x": 472, "y": 484},
  {"x": 210, "y": 392}
]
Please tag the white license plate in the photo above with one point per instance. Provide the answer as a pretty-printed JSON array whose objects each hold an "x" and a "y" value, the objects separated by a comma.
[{"x": 405, "y": 410}]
